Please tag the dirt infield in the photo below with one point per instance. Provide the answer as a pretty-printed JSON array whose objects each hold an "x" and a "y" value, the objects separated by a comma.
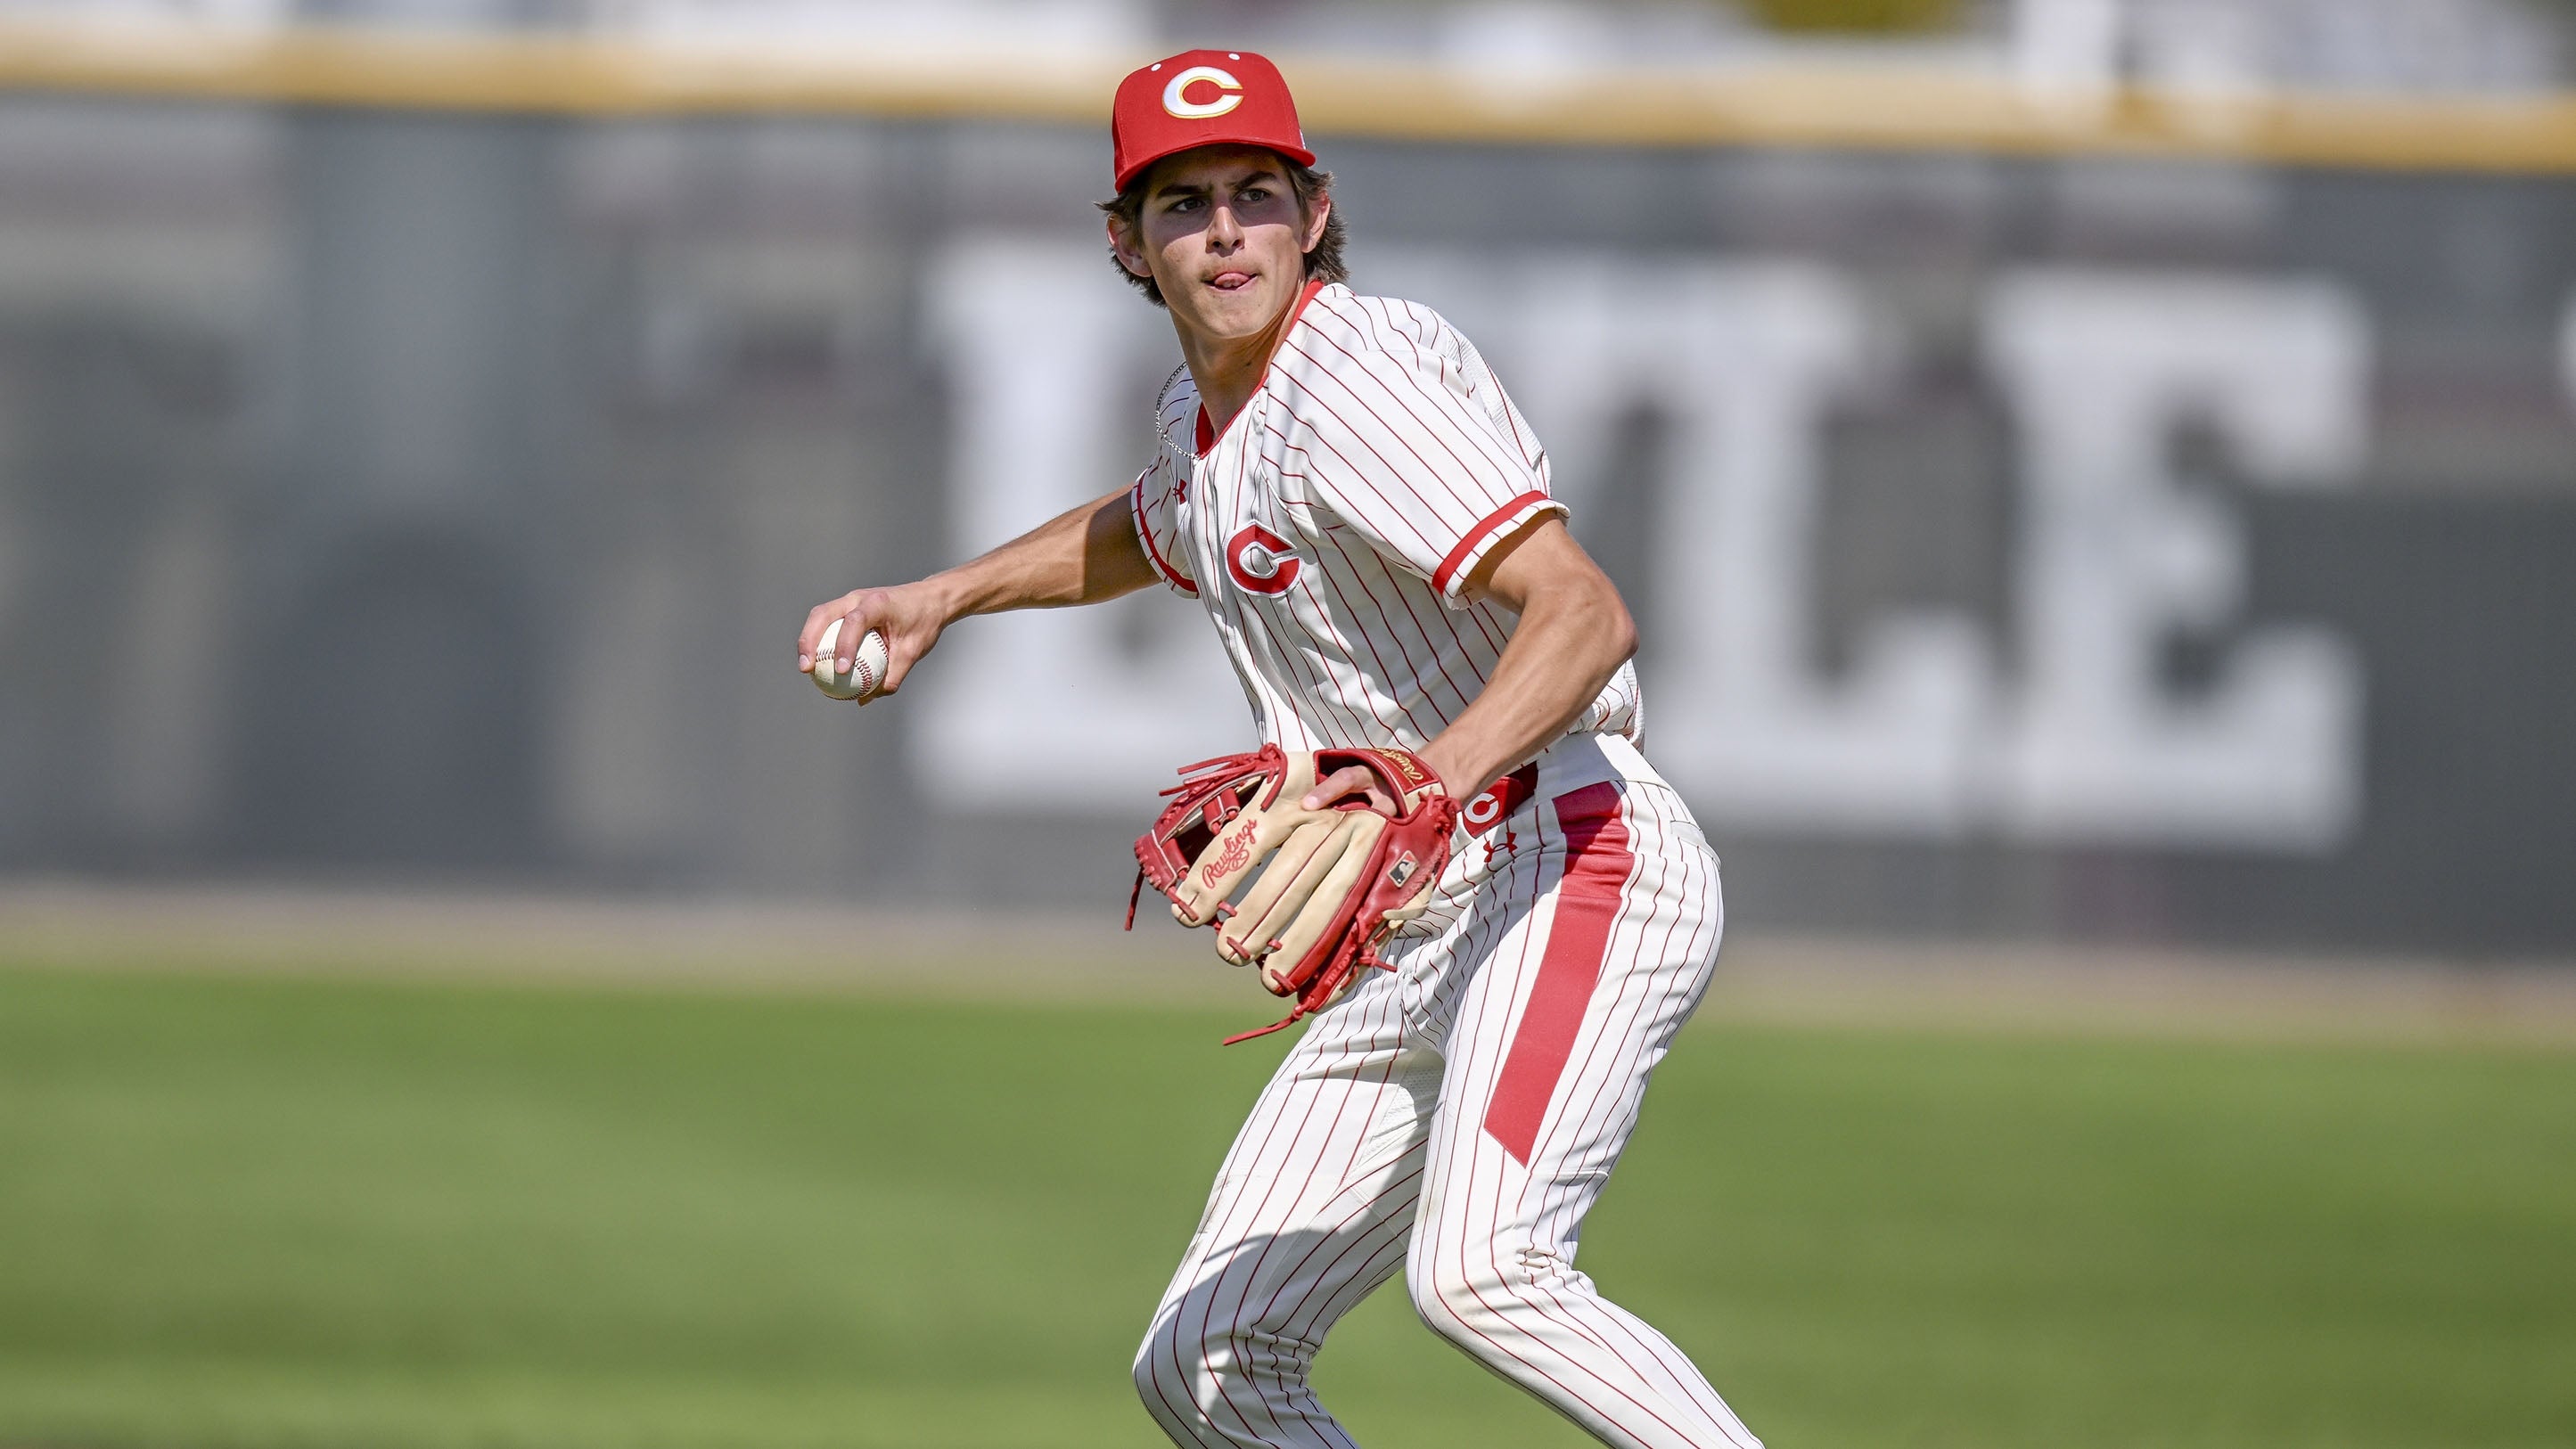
[{"x": 803, "y": 945}]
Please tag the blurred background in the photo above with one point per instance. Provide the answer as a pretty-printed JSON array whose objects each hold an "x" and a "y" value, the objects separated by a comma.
[
  {"x": 2086, "y": 468},
  {"x": 2097, "y": 479}
]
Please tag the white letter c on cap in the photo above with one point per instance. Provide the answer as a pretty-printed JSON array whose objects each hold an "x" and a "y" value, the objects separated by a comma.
[{"x": 1202, "y": 110}]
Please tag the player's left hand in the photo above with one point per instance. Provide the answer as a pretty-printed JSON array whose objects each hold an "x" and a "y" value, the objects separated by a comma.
[
  {"x": 1365, "y": 842},
  {"x": 1348, "y": 781}
]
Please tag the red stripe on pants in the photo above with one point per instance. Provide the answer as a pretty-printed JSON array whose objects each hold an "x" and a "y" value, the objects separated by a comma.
[{"x": 1597, "y": 864}]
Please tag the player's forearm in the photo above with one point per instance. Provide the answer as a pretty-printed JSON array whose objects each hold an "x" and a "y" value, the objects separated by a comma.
[
  {"x": 1572, "y": 637},
  {"x": 1082, "y": 556},
  {"x": 1086, "y": 555}
]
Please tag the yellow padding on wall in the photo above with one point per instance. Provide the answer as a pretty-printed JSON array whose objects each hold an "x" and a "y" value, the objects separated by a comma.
[{"x": 1899, "y": 109}]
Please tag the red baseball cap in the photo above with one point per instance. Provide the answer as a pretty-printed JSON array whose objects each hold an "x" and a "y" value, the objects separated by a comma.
[{"x": 1202, "y": 98}]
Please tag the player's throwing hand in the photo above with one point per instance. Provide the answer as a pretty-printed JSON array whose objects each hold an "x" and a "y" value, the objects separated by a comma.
[{"x": 910, "y": 622}]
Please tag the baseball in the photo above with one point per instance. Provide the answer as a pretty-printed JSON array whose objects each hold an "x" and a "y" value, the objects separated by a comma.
[{"x": 867, "y": 670}]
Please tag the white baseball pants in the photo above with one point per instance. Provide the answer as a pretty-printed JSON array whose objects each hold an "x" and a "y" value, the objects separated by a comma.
[{"x": 1457, "y": 1117}]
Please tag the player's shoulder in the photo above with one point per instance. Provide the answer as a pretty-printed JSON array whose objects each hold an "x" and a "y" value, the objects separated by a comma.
[
  {"x": 1362, "y": 329},
  {"x": 1397, "y": 359}
]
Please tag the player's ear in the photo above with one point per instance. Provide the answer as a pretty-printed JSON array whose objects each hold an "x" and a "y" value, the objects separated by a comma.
[
  {"x": 1319, "y": 210},
  {"x": 1122, "y": 245}
]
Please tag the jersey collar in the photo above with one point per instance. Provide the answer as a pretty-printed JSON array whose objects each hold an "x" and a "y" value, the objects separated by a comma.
[{"x": 1204, "y": 434}]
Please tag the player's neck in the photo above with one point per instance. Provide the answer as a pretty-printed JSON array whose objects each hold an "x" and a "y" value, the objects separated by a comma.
[{"x": 1227, "y": 371}]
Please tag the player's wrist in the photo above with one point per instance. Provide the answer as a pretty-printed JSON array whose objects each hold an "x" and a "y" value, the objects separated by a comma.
[
  {"x": 949, "y": 596},
  {"x": 1462, "y": 772}
]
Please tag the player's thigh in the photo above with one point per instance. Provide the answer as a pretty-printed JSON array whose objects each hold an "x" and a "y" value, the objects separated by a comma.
[
  {"x": 1557, "y": 1031},
  {"x": 1319, "y": 1188}
]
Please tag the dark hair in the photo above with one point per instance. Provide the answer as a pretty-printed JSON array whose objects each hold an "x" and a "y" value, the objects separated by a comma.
[{"x": 1323, "y": 259}]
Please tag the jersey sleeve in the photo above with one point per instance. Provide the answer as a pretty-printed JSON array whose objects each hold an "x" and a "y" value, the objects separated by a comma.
[
  {"x": 1156, "y": 502},
  {"x": 1421, "y": 453}
]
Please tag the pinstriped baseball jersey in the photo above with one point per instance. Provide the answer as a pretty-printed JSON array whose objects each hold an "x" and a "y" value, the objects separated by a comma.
[{"x": 1330, "y": 529}]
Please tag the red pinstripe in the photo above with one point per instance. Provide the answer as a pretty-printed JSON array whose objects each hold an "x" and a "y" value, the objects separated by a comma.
[
  {"x": 1325, "y": 646},
  {"x": 1377, "y": 470},
  {"x": 1368, "y": 1209},
  {"x": 1333, "y": 580},
  {"x": 1206, "y": 1317},
  {"x": 1254, "y": 1274},
  {"x": 1318, "y": 412},
  {"x": 1480, "y": 617},
  {"x": 1478, "y": 438},
  {"x": 1423, "y": 423}
]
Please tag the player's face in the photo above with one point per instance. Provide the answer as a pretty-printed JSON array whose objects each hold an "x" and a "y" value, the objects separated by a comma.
[{"x": 1225, "y": 237}]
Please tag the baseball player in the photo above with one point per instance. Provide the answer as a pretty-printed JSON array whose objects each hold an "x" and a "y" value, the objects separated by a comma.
[{"x": 1439, "y": 676}]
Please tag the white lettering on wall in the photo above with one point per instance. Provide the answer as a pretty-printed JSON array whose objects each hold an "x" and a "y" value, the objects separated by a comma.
[
  {"x": 2116, "y": 551},
  {"x": 1745, "y": 359},
  {"x": 1920, "y": 735}
]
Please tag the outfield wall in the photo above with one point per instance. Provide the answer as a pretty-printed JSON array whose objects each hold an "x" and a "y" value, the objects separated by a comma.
[{"x": 2035, "y": 531}]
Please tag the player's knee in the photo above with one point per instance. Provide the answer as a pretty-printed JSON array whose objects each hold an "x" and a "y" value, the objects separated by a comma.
[
  {"x": 1159, "y": 1381},
  {"x": 1182, "y": 1375},
  {"x": 1457, "y": 1302}
]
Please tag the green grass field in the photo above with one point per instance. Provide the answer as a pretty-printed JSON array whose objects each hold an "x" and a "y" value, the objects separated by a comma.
[{"x": 269, "y": 1213}]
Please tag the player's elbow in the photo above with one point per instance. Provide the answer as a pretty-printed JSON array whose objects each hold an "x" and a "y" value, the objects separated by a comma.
[
  {"x": 1618, "y": 626},
  {"x": 1588, "y": 619},
  {"x": 1609, "y": 631}
]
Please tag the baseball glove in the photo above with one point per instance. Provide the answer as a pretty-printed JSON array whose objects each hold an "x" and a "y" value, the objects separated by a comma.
[{"x": 1338, "y": 881}]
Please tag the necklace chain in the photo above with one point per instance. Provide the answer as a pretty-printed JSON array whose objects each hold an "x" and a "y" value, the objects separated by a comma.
[{"x": 1162, "y": 400}]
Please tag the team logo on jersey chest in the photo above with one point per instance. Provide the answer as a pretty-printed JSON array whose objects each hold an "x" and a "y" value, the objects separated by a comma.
[{"x": 1260, "y": 561}]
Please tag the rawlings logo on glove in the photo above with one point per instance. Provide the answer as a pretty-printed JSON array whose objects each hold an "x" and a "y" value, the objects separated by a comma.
[
  {"x": 1228, "y": 858},
  {"x": 1338, "y": 879}
]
